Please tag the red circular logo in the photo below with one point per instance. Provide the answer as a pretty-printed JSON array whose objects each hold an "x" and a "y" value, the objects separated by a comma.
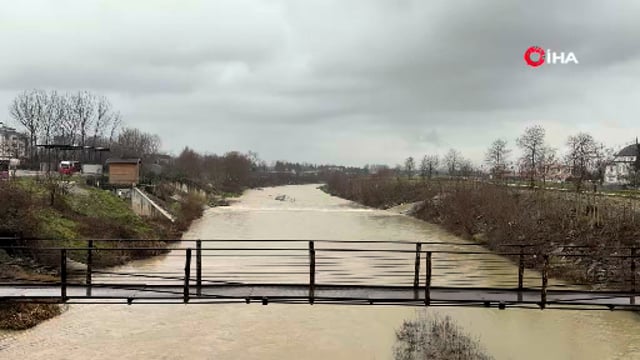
[{"x": 534, "y": 50}]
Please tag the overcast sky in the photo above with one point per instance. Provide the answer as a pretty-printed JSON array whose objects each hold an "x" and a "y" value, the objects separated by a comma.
[{"x": 334, "y": 81}]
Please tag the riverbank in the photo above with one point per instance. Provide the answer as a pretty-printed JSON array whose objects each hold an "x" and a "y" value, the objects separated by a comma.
[
  {"x": 289, "y": 331},
  {"x": 499, "y": 217},
  {"x": 49, "y": 214}
]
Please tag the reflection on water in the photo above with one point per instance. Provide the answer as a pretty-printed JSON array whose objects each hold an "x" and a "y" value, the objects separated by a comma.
[{"x": 319, "y": 331}]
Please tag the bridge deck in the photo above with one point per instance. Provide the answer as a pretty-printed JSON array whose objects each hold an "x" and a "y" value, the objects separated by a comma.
[
  {"x": 442, "y": 296},
  {"x": 331, "y": 271}
]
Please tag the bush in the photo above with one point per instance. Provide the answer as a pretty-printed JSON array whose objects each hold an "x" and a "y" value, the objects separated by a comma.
[
  {"x": 16, "y": 207},
  {"x": 191, "y": 207},
  {"x": 19, "y": 316},
  {"x": 434, "y": 338}
]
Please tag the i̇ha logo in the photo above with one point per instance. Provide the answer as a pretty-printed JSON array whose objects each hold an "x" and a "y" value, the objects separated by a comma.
[{"x": 536, "y": 56}]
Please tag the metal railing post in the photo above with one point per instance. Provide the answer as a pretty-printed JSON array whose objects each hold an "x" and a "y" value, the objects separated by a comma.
[
  {"x": 88, "y": 280},
  {"x": 63, "y": 274},
  {"x": 416, "y": 271},
  {"x": 521, "y": 269},
  {"x": 199, "y": 267},
  {"x": 427, "y": 283},
  {"x": 520, "y": 273},
  {"x": 633, "y": 270},
  {"x": 312, "y": 272},
  {"x": 632, "y": 298},
  {"x": 545, "y": 280},
  {"x": 187, "y": 273}
]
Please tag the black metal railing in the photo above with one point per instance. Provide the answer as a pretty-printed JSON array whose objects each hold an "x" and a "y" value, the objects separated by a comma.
[{"x": 329, "y": 262}]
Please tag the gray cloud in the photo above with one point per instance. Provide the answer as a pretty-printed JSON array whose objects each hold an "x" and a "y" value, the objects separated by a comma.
[{"x": 347, "y": 82}]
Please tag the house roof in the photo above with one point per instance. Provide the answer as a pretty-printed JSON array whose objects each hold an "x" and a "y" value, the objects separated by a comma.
[
  {"x": 123, "y": 161},
  {"x": 72, "y": 147},
  {"x": 629, "y": 150}
]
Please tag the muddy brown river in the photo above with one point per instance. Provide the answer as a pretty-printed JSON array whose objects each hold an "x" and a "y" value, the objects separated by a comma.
[{"x": 278, "y": 331}]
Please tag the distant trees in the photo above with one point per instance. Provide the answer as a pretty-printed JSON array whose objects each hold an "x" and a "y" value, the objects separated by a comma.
[
  {"x": 452, "y": 160},
  {"x": 581, "y": 157},
  {"x": 428, "y": 166},
  {"x": 496, "y": 157},
  {"x": 466, "y": 168},
  {"x": 409, "y": 166},
  {"x": 189, "y": 164},
  {"x": 230, "y": 172},
  {"x": 25, "y": 110},
  {"x": 132, "y": 142},
  {"x": 546, "y": 160},
  {"x": 380, "y": 171},
  {"x": 585, "y": 160},
  {"x": 238, "y": 169},
  {"x": 604, "y": 157},
  {"x": 532, "y": 145},
  {"x": 80, "y": 118}
]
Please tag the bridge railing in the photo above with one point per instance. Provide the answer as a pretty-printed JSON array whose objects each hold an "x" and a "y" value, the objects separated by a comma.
[{"x": 197, "y": 264}]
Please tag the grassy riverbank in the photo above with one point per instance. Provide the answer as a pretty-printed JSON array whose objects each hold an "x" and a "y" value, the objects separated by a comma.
[
  {"x": 497, "y": 216},
  {"x": 51, "y": 214}
]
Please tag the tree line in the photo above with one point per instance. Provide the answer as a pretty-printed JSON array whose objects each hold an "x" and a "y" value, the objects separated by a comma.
[
  {"x": 82, "y": 118},
  {"x": 49, "y": 117},
  {"x": 586, "y": 160}
]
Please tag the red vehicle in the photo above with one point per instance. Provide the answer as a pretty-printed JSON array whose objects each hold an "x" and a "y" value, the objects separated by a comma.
[{"x": 69, "y": 167}]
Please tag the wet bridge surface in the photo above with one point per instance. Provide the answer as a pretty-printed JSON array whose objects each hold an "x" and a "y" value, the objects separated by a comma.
[{"x": 319, "y": 272}]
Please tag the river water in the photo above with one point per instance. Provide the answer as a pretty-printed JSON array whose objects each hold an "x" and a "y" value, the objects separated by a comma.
[{"x": 277, "y": 331}]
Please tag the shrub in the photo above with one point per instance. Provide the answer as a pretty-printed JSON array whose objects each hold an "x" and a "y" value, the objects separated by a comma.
[
  {"x": 434, "y": 337},
  {"x": 191, "y": 207},
  {"x": 19, "y": 316},
  {"x": 16, "y": 207}
]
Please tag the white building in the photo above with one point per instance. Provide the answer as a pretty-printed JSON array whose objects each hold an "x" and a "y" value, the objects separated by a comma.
[
  {"x": 13, "y": 144},
  {"x": 617, "y": 173}
]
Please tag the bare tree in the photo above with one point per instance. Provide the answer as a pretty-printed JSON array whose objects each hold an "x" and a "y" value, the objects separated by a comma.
[
  {"x": 466, "y": 167},
  {"x": 428, "y": 166},
  {"x": 546, "y": 159},
  {"x": 409, "y": 166},
  {"x": 23, "y": 109},
  {"x": 255, "y": 160},
  {"x": 496, "y": 157},
  {"x": 69, "y": 119},
  {"x": 50, "y": 120},
  {"x": 116, "y": 122},
  {"x": 69, "y": 122},
  {"x": 581, "y": 157},
  {"x": 452, "y": 161},
  {"x": 238, "y": 170},
  {"x": 603, "y": 158},
  {"x": 135, "y": 143},
  {"x": 532, "y": 144},
  {"x": 103, "y": 119},
  {"x": 83, "y": 107}
]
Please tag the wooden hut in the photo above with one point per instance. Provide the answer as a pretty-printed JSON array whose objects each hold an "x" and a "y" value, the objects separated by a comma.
[{"x": 124, "y": 171}]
